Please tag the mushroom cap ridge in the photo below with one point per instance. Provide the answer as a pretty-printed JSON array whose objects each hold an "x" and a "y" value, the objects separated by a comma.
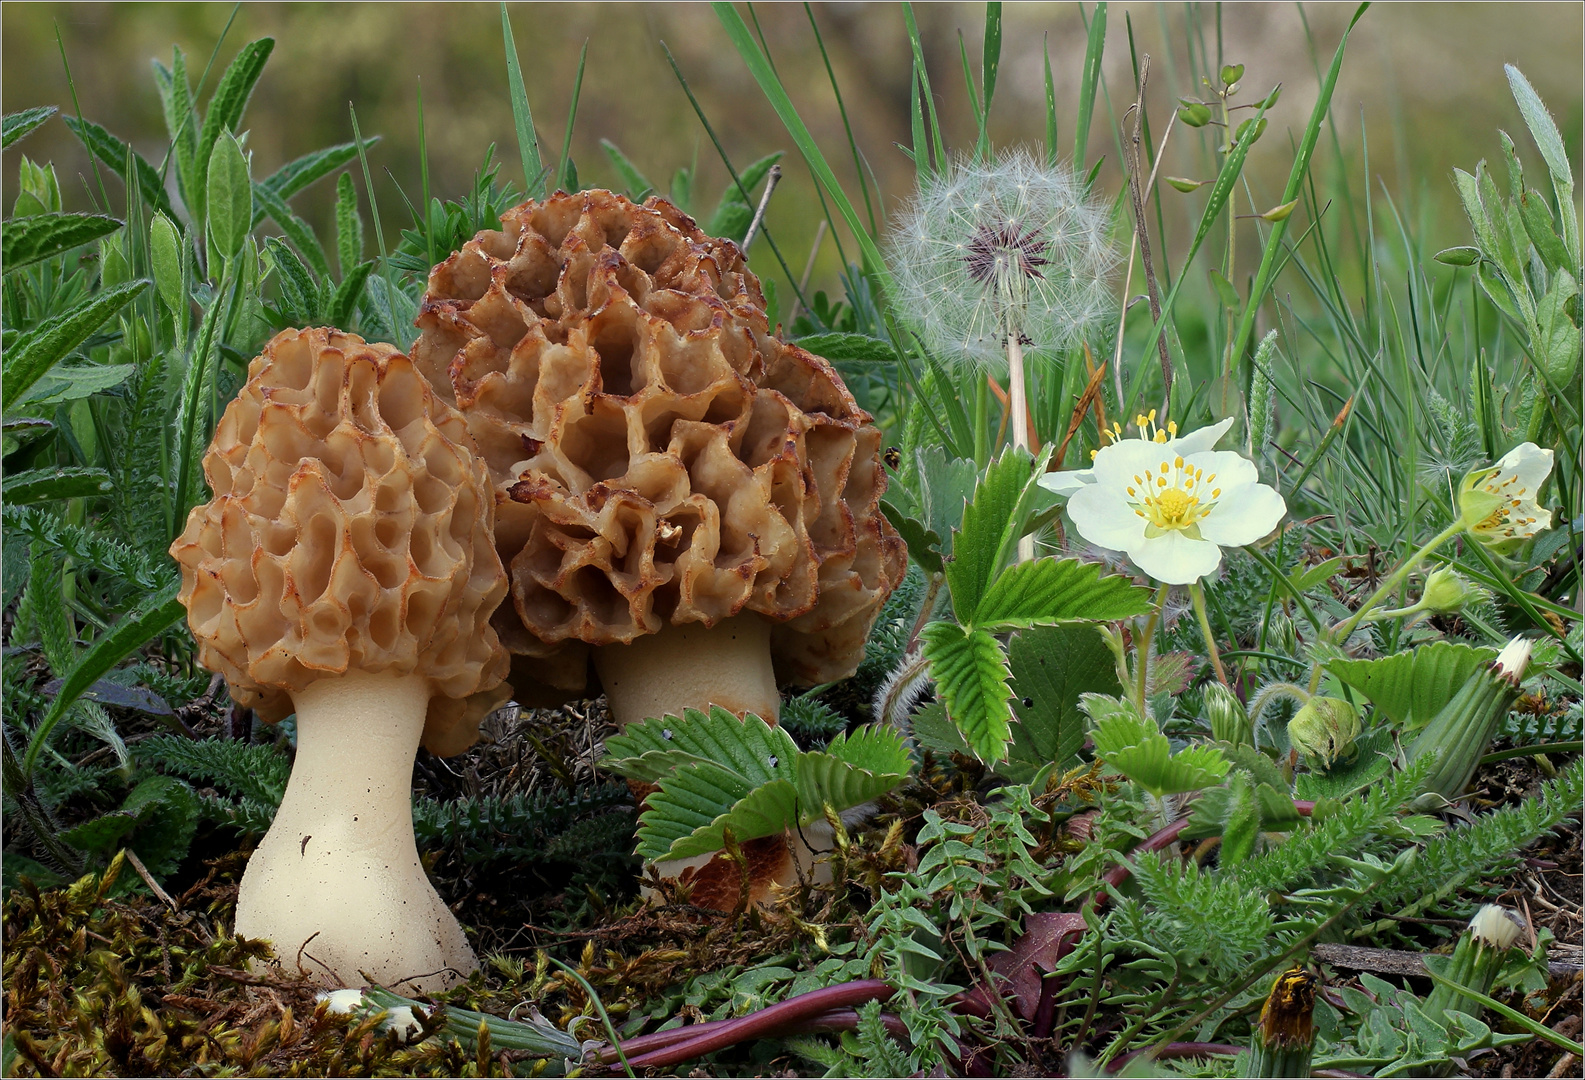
[
  {"x": 658, "y": 455},
  {"x": 350, "y": 529}
]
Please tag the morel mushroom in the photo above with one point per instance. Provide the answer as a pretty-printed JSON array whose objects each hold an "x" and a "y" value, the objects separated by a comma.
[
  {"x": 694, "y": 499},
  {"x": 345, "y": 570}
]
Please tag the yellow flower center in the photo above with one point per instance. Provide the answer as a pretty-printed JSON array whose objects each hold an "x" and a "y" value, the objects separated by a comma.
[
  {"x": 1502, "y": 521},
  {"x": 1174, "y": 497}
]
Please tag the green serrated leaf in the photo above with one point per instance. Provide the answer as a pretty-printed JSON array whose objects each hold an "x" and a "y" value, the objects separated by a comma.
[
  {"x": 226, "y": 106},
  {"x": 650, "y": 749},
  {"x": 31, "y": 239},
  {"x": 1135, "y": 747},
  {"x": 101, "y": 833},
  {"x": 64, "y": 384},
  {"x": 977, "y": 547},
  {"x": 114, "y": 153},
  {"x": 299, "y": 291},
  {"x": 689, "y": 795},
  {"x": 856, "y": 348},
  {"x": 295, "y": 228},
  {"x": 297, "y": 175},
  {"x": 1411, "y": 687},
  {"x": 349, "y": 225},
  {"x": 971, "y": 677},
  {"x": 1242, "y": 824},
  {"x": 1049, "y": 590},
  {"x": 1052, "y": 667},
  {"x": 33, "y": 353},
  {"x": 344, "y": 302},
  {"x": 48, "y": 485},
  {"x": 924, "y": 545},
  {"x": 18, "y": 125}
]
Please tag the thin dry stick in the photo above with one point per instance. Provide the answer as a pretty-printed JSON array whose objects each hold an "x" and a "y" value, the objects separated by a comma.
[
  {"x": 1128, "y": 302},
  {"x": 764, "y": 200},
  {"x": 148, "y": 879},
  {"x": 1131, "y": 147}
]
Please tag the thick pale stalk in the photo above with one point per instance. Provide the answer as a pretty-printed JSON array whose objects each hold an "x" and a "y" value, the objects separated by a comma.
[
  {"x": 336, "y": 884},
  {"x": 1018, "y": 405},
  {"x": 691, "y": 667}
]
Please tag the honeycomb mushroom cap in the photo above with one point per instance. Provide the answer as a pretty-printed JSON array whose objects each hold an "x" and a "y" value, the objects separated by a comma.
[
  {"x": 658, "y": 456},
  {"x": 349, "y": 531}
]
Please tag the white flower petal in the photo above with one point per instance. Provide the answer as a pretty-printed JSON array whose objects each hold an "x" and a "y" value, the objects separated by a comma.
[
  {"x": 1201, "y": 439},
  {"x": 1066, "y": 483},
  {"x": 1174, "y": 559},
  {"x": 1104, "y": 518},
  {"x": 1531, "y": 464},
  {"x": 1243, "y": 515},
  {"x": 1118, "y": 464},
  {"x": 1229, "y": 469}
]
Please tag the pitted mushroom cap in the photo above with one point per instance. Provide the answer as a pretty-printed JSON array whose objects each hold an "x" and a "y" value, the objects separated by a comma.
[
  {"x": 658, "y": 456},
  {"x": 349, "y": 530}
]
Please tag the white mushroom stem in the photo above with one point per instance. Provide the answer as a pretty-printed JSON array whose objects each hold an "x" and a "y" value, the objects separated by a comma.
[
  {"x": 691, "y": 667},
  {"x": 337, "y": 878}
]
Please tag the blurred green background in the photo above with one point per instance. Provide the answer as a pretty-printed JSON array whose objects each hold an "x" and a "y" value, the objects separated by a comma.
[{"x": 1422, "y": 88}]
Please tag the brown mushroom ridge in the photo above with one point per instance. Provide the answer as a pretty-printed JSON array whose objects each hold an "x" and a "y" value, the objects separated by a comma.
[
  {"x": 350, "y": 530},
  {"x": 658, "y": 456}
]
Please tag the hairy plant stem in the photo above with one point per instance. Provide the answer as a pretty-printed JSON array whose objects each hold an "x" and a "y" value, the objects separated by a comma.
[
  {"x": 1395, "y": 581},
  {"x": 1018, "y": 406},
  {"x": 1142, "y": 648},
  {"x": 1197, "y": 594}
]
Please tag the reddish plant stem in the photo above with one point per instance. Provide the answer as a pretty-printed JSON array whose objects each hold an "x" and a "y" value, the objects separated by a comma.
[
  {"x": 834, "y": 1020},
  {"x": 1176, "y": 1050},
  {"x": 766, "y": 1022}
]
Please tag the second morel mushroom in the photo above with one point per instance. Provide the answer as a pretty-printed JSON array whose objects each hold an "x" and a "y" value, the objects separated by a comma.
[
  {"x": 689, "y": 507},
  {"x": 345, "y": 571}
]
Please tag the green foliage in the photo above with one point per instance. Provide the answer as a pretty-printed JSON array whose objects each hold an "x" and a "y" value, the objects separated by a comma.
[
  {"x": 718, "y": 774},
  {"x": 1411, "y": 687},
  {"x": 1134, "y": 746}
]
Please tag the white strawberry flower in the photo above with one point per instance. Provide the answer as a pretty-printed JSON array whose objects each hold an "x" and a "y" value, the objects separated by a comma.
[
  {"x": 1172, "y": 503},
  {"x": 1068, "y": 481},
  {"x": 1499, "y": 504}
]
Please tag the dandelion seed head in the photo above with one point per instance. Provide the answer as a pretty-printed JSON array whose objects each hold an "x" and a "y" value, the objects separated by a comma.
[{"x": 1006, "y": 242}]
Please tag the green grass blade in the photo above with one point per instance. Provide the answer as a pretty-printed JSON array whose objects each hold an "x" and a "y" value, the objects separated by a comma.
[
  {"x": 1301, "y": 168},
  {"x": 1051, "y": 107},
  {"x": 919, "y": 150},
  {"x": 774, "y": 91},
  {"x": 981, "y": 139},
  {"x": 1088, "y": 81},
  {"x": 566, "y": 175},
  {"x": 134, "y": 630},
  {"x": 990, "y": 57},
  {"x": 836, "y": 91},
  {"x": 936, "y": 145},
  {"x": 527, "y": 141}
]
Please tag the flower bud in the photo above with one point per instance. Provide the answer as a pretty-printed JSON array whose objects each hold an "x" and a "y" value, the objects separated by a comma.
[
  {"x": 1325, "y": 729},
  {"x": 1229, "y": 719},
  {"x": 1477, "y": 960},
  {"x": 1446, "y": 592},
  {"x": 1281, "y": 636}
]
